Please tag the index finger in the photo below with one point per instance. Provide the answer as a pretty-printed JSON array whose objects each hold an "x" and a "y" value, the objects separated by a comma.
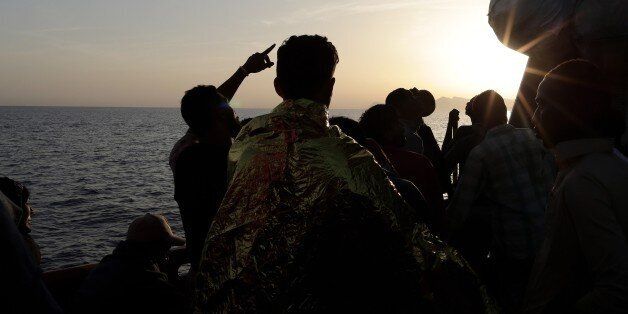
[{"x": 269, "y": 49}]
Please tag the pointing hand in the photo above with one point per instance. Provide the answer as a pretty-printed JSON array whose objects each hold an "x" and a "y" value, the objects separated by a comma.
[{"x": 259, "y": 61}]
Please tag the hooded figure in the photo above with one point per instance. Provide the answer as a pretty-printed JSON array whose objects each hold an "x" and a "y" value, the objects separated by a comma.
[
  {"x": 23, "y": 290},
  {"x": 310, "y": 223}
]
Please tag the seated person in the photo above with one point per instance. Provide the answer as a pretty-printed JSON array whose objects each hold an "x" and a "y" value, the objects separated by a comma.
[
  {"x": 381, "y": 123},
  {"x": 131, "y": 280},
  {"x": 23, "y": 290},
  {"x": 19, "y": 195}
]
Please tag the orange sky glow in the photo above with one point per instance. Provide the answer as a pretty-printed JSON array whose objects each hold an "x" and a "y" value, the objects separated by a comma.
[{"x": 147, "y": 53}]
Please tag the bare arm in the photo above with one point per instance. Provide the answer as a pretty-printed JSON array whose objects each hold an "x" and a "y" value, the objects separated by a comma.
[
  {"x": 254, "y": 64},
  {"x": 452, "y": 124}
]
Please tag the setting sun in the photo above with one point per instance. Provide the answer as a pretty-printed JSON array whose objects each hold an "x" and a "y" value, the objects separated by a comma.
[{"x": 101, "y": 58}]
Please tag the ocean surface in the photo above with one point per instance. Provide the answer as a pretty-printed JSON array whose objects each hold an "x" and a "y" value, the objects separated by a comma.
[{"x": 91, "y": 171}]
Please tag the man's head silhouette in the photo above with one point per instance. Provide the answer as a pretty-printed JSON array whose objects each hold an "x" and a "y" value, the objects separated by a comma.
[
  {"x": 208, "y": 113},
  {"x": 573, "y": 102},
  {"x": 305, "y": 68},
  {"x": 490, "y": 109}
]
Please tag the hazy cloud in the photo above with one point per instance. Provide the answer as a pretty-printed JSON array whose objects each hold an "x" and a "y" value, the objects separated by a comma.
[{"x": 329, "y": 11}]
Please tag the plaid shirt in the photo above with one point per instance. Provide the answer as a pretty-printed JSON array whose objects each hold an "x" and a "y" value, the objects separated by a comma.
[{"x": 507, "y": 177}]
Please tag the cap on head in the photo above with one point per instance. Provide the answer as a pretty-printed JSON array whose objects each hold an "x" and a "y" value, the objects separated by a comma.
[
  {"x": 411, "y": 104},
  {"x": 426, "y": 102},
  {"x": 399, "y": 98},
  {"x": 153, "y": 229}
]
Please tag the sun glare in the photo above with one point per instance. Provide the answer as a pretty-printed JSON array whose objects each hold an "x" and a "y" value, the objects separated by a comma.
[{"x": 464, "y": 57}]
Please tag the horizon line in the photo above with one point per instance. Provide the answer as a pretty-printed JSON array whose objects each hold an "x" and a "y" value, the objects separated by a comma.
[{"x": 148, "y": 107}]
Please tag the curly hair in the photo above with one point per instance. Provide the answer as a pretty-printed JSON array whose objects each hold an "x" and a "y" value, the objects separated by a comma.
[{"x": 304, "y": 64}]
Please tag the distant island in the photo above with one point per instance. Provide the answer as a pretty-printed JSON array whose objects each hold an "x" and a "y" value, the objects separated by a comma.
[{"x": 459, "y": 102}]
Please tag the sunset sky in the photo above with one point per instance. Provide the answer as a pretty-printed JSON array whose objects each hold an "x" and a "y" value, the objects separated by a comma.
[{"x": 148, "y": 52}]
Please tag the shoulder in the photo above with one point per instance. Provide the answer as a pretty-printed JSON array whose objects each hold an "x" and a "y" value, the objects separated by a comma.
[
  {"x": 464, "y": 130},
  {"x": 480, "y": 151},
  {"x": 588, "y": 175},
  {"x": 343, "y": 153},
  {"x": 337, "y": 144},
  {"x": 253, "y": 126},
  {"x": 468, "y": 135},
  {"x": 602, "y": 162},
  {"x": 526, "y": 134},
  {"x": 414, "y": 157},
  {"x": 424, "y": 128},
  {"x": 600, "y": 169}
]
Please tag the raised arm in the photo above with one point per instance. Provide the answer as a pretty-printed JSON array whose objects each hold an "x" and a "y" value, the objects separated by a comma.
[
  {"x": 257, "y": 62},
  {"x": 452, "y": 124}
]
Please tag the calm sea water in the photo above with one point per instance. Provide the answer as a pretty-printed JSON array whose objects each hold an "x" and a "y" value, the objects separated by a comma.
[{"x": 91, "y": 171}]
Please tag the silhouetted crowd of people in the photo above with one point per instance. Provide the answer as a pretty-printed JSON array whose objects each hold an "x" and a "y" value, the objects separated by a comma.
[{"x": 294, "y": 211}]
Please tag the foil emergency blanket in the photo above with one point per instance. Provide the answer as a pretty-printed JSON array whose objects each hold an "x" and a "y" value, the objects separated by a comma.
[{"x": 311, "y": 223}]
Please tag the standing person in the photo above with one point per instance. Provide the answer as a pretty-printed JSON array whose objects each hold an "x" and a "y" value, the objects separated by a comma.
[
  {"x": 412, "y": 106},
  {"x": 131, "y": 280},
  {"x": 310, "y": 222},
  {"x": 459, "y": 143},
  {"x": 450, "y": 172},
  {"x": 381, "y": 123},
  {"x": 504, "y": 190},
  {"x": 431, "y": 149},
  {"x": 19, "y": 195},
  {"x": 582, "y": 266},
  {"x": 427, "y": 104},
  {"x": 199, "y": 159},
  {"x": 405, "y": 103}
]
